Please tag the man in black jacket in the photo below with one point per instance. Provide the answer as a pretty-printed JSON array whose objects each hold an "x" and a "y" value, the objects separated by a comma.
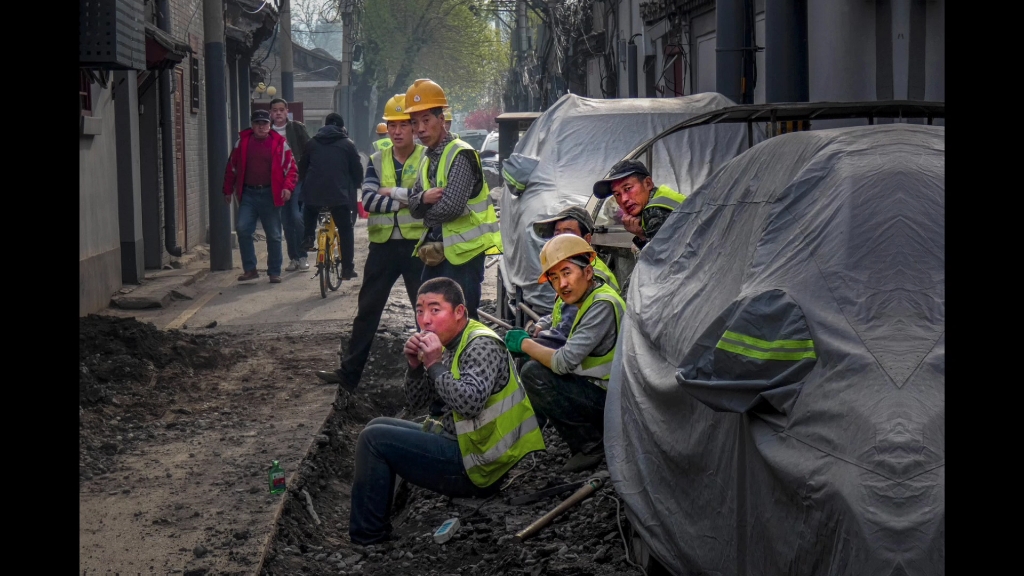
[{"x": 331, "y": 173}]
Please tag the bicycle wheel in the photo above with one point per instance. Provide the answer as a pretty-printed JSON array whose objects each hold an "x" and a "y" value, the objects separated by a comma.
[
  {"x": 335, "y": 264},
  {"x": 324, "y": 262}
]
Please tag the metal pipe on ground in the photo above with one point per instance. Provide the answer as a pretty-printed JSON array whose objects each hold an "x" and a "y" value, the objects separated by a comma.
[
  {"x": 167, "y": 145},
  {"x": 494, "y": 320},
  {"x": 526, "y": 310},
  {"x": 585, "y": 491}
]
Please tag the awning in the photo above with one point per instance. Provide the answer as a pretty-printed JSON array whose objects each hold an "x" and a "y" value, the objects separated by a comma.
[{"x": 162, "y": 50}]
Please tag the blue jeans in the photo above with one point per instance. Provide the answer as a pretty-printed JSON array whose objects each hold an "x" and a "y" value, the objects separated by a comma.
[
  {"x": 388, "y": 446},
  {"x": 259, "y": 203},
  {"x": 293, "y": 228}
]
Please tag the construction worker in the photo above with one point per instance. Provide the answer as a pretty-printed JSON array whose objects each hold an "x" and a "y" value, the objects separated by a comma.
[
  {"x": 568, "y": 386},
  {"x": 393, "y": 232},
  {"x": 383, "y": 141},
  {"x": 451, "y": 197},
  {"x": 448, "y": 122},
  {"x": 644, "y": 213},
  {"x": 488, "y": 423},
  {"x": 575, "y": 220}
]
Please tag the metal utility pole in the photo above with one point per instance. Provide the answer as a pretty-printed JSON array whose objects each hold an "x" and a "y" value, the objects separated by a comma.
[
  {"x": 287, "y": 63},
  {"x": 346, "y": 70},
  {"x": 734, "y": 50},
  {"x": 216, "y": 134},
  {"x": 167, "y": 144},
  {"x": 785, "y": 53}
]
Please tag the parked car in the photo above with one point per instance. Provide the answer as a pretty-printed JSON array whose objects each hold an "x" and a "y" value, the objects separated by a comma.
[
  {"x": 777, "y": 398},
  {"x": 474, "y": 138},
  {"x": 490, "y": 161},
  {"x": 572, "y": 145}
]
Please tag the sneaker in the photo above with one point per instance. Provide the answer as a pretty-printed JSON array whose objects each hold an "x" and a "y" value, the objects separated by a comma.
[
  {"x": 303, "y": 264},
  {"x": 250, "y": 275},
  {"x": 580, "y": 462},
  {"x": 292, "y": 266},
  {"x": 349, "y": 274},
  {"x": 275, "y": 279}
]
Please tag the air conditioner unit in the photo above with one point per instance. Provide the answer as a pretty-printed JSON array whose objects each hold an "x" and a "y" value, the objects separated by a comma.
[{"x": 111, "y": 35}]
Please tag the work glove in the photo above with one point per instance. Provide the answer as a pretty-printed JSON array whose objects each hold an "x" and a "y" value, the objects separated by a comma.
[{"x": 514, "y": 340}]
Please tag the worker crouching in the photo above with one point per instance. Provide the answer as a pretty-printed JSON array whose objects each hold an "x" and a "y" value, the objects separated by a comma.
[
  {"x": 568, "y": 385},
  {"x": 487, "y": 425}
]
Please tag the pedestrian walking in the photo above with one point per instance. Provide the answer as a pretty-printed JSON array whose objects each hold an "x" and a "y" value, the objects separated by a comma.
[
  {"x": 261, "y": 173},
  {"x": 291, "y": 216}
]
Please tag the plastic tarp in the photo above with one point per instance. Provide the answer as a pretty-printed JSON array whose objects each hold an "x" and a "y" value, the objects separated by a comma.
[
  {"x": 777, "y": 401},
  {"x": 576, "y": 142}
]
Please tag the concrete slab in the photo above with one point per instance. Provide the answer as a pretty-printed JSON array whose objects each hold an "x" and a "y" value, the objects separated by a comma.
[
  {"x": 154, "y": 293},
  {"x": 184, "y": 293}
]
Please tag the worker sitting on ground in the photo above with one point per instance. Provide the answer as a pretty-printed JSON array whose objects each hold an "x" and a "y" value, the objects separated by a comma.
[
  {"x": 553, "y": 329},
  {"x": 644, "y": 212},
  {"x": 568, "y": 386},
  {"x": 488, "y": 423}
]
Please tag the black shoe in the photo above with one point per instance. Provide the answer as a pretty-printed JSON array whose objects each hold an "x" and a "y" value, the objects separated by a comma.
[
  {"x": 329, "y": 376},
  {"x": 348, "y": 274},
  {"x": 580, "y": 462}
]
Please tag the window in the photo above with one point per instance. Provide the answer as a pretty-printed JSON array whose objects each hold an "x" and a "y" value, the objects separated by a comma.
[
  {"x": 84, "y": 93},
  {"x": 194, "y": 77}
]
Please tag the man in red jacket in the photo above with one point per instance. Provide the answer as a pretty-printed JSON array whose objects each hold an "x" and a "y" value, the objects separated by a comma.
[{"x": 262, "y": 172}]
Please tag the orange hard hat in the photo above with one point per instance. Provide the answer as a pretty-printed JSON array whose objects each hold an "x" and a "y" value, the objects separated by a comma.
[
  {"x": 382, "y": 128},
  {"x": 424, "y": 94}
]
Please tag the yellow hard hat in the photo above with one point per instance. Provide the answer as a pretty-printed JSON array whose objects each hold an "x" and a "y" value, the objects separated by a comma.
[
  {"x": 424, "y": 94},
  {"x": 395, "y": 108},
  {"x": 382, "y": 128},
  {"x": 447, "y": 115},
  {"x": 561, "y": 247}
]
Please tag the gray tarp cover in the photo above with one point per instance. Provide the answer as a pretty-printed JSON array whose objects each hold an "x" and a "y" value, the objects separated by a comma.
[
  {"x": 731, "y": 464},
  {"x": 577, "y": 141}
]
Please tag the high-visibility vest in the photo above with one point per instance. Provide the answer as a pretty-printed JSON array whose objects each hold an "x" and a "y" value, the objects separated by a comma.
[
  {"x": 382, "y": 144},
  {"x": 601, "y": 271},
  {"x": 504, "y": 431},
  {"x": 379, "y": 226},
  {"x": 663, "y": 197},
  {"x": 599, "y": 368},
  {"x": 476, "y": 230}
]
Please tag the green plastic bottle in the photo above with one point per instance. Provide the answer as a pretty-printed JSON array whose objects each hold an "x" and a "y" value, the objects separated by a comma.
[{"x": 276, "y": 478}]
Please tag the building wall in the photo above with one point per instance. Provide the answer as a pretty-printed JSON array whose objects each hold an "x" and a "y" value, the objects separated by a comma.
[{"x": 99, "y": 242}]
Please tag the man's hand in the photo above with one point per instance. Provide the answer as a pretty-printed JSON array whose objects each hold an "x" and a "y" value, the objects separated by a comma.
[
  {"x": 430, "y": 349},
  {"x": 286, "y": 194},
  {"x": 432, "y": 196},
  {"x": 632, "y": 225},
  {"x": 412, "y": 350},
  {"x": 532, "y": 328},
  {"x": 228, "y": 198},
  {"x": 385, "y": 191},
  {"x": 514, "y": 340}
]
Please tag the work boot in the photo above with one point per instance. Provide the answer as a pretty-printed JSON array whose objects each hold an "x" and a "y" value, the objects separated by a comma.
[
  {"x": 328, "y": 376},
  {"x": 275, "y": 279},
  {"x": 249, "y": 275},
  {"x": 292, "y": 266},
  {"x": 580, "y": 462},
  {"x": 349, "y": 274}
]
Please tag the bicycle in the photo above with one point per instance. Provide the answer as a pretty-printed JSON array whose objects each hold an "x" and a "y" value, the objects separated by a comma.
[{"x": 328, "y": 253}]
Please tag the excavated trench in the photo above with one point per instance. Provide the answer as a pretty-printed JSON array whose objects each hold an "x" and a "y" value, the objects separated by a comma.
[{"x": 589, "y": 539}]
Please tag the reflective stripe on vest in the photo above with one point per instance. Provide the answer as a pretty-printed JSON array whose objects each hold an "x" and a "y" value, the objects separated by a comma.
[
  {"x": 599, "y": 368},
  {"x": 504, "y": 431},
  {"x": 601, "y": 271},
  {"x": 476, "y": 229},
  {"x": 379, "y": 226},
  {"x": 663, "y": 197}
]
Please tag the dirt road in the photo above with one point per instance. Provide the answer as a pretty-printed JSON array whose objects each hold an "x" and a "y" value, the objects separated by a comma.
[{"x": 178, "y": 429}]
